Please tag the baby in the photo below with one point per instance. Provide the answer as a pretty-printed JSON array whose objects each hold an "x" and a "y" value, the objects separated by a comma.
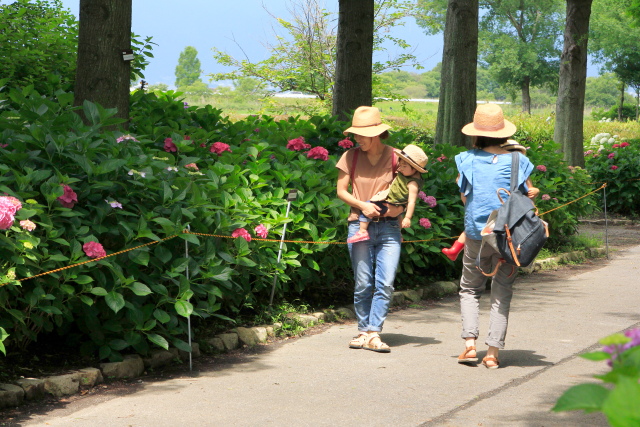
[{"x": 403, "y": 191}]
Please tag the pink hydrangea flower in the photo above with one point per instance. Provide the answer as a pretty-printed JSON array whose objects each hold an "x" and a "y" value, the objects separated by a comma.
[
  {"x": 616, "y": 145},
  {"x": 169, "y": 146},
  {"x": 624, "y": 144},
  {"x": 192, "y": 166},
  {"x": 422, "y": 195},
  {"x": 8, "y": 208},
  {"x": 345, "y": 143},
  {"x": 541, "y": 168},
  {"x": 261, "y": 231},
  {"x": 425, "y": 222},
  {"x": 613, "y": 167},
  {"x": 588, "y": 153},
  {"x": 442, "y": 158},
  {"x": 219, "y": 148},
  {"x": 298, "y": 144},
  {"x": 114, "y": 204},
  {"x": 546, "y": 197},
  {"x": 431, "y": 201},
  {"x": 319, "y": 153},
  {"x": 69, "y": 198},
  {"x": 4, "y": 145},
  {"x": 27, "y": 225},
  {"x": 94, "y": 250},
  {"x": 126, "y": 137},
  {"x": 241, "y": 232},
  {"x": 611, "y": 155}
]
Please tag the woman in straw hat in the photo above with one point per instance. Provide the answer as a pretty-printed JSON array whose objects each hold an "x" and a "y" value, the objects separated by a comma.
[
  {"x": 369, "y": 169},
  {"x": 455, "y": 249},
  {"x": 482, "y": 171}
]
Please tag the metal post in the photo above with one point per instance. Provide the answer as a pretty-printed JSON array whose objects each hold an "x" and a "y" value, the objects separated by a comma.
[
  {"x": 186, "y": 254},
  {"x": 293, "y": 194},
  {"x": 606, "y": 222}
]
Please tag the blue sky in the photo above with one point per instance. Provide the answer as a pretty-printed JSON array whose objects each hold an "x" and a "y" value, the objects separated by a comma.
[
  {"x": 236, "y": 26},
  {"x": 205, "y": 24}
]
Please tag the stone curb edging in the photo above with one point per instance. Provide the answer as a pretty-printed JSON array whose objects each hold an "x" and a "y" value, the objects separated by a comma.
[{"x": 133, "y": 366}]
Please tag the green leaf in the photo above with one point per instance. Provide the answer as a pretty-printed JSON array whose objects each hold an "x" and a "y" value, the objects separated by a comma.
[
  {"x": 162, "y": 253},
  {"x": 622, "y": 407},
  {"x": 139, "y": 256},
  {"x": 58, "y": 257},
  {"x": 161, "y": 315},
  {"x": 67, "y": 289},
  {"x": 118, "y": 344},
  {"x": 115, "y": 301},
  {"x": 588, "y": 397},
  {"x": 86, "y": 299},
  {"x": 615, "y": 339},
  {"x": 140, "y": 289},
  {"x": 596, "y": 356},
  {"x": 183, "y": 308},
  {"x": 181, "y": 345},
  {"x": 158, "y": 340},
  {"x": 99, "y": 291},
  {"x": 83, "y": 279}
]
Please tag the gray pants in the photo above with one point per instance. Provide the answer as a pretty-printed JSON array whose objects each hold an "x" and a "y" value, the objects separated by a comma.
[{"x": 472, "y": 285}]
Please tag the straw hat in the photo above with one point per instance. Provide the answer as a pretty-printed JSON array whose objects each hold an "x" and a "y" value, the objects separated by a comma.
[
  {"x": 367, "y": 122},
  {"x": 489, "y": 121},
  {"x": 414, "y": 155},
  {"x": 512, "y": 145}
]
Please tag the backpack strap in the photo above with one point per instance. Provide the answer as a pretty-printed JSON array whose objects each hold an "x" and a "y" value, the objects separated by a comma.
[{"x": 515, "y": 169}]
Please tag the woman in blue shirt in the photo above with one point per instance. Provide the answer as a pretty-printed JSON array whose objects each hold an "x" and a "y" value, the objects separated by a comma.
[{"x": 482, "y": 171}]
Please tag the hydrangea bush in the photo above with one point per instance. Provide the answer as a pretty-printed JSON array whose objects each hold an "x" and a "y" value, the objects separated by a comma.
[
  {"x": 184, "y": 180},
  {"x": 618, "y": 400},
  {"x": 617, "y": 162}
]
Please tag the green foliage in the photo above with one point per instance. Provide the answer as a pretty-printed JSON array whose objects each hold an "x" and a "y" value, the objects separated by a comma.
[
  {"x": 188, "y": 69},
  {"x": 303, "y": 58},
  {"x": 603, "y": 92},
  {"x": 559, "y": 184},
  {"x": 619, "y": 401},
  {"x": 38, "y": 44},
  {"x": 628, "y": 113},
  {"x": 616, "y": 163}
]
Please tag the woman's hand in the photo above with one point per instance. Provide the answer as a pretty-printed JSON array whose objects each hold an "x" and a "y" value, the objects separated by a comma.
[{"x": 370, "y": 210}]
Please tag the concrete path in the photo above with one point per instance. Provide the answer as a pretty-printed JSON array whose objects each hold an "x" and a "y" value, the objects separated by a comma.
[{"x": 317, "y": 381}]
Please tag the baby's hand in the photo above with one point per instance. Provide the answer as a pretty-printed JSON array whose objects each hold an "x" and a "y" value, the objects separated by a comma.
[{"x": 406, "y": 222}]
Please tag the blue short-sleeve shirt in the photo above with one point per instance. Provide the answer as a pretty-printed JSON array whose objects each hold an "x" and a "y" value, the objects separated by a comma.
[{"x": 481, "y": 174}]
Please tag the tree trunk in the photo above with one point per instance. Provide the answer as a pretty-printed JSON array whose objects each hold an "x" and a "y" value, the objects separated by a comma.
[
  {"x": 459, "y": 61},
  {"x": 526, "y": 96},
  {"x": 104, "y": 34},
  {"x": 573, "y": 76},
  {"x": 354, "y": 57},
  {"x": 622, "y": 86}
]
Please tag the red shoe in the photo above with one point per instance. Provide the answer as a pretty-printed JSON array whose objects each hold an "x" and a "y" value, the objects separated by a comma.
[
  {"x": 453, "y": 251},
  {"x": 360, "y": 236}
]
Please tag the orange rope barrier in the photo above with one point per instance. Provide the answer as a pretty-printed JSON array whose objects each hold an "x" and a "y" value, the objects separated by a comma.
[{"x": 261, "y": 240}]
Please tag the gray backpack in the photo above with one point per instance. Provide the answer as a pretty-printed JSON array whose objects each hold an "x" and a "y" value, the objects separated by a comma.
[{"x": 520, "y": 233}]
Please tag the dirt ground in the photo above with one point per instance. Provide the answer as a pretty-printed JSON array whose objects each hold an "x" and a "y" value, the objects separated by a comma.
[{"x": 620, "y": 235}]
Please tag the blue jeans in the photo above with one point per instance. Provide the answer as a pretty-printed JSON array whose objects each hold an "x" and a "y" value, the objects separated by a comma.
[{"x": 374, "y": 263}]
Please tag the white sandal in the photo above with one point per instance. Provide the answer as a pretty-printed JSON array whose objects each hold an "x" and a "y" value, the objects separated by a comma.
[
  {"x": 358, "y": 341},
  {"x": 378, "y": 345}
]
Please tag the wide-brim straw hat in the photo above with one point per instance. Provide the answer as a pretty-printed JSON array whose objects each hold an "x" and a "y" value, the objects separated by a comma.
[
  {"x": 366, "y": 122},
  {"x": 512, "y": 145},
  {"x": 488, "y": 120},
  {"x": 414, "y": 155}
]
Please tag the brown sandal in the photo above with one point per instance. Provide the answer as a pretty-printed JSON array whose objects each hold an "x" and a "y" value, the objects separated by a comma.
[
  {"x": 491, "y": 360},
  {"x": 464, "y": 358}
]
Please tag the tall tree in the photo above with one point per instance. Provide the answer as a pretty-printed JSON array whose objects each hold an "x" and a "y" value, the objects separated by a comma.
[
  {"x": 613, "y": 40},
  {"x": 459, "y": 62},
  {"x": 188, "y": 69},
  {"x": 354, "y": 56},
  {"x": 568, "y": 130},
  {"x": 103, "y": 67},
  {"x": 38, "y": 40},
  {"x": 519, "y": 40}
]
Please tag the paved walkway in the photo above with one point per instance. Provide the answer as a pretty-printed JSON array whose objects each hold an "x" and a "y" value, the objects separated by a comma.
[{"x": 318, "y": 381}]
